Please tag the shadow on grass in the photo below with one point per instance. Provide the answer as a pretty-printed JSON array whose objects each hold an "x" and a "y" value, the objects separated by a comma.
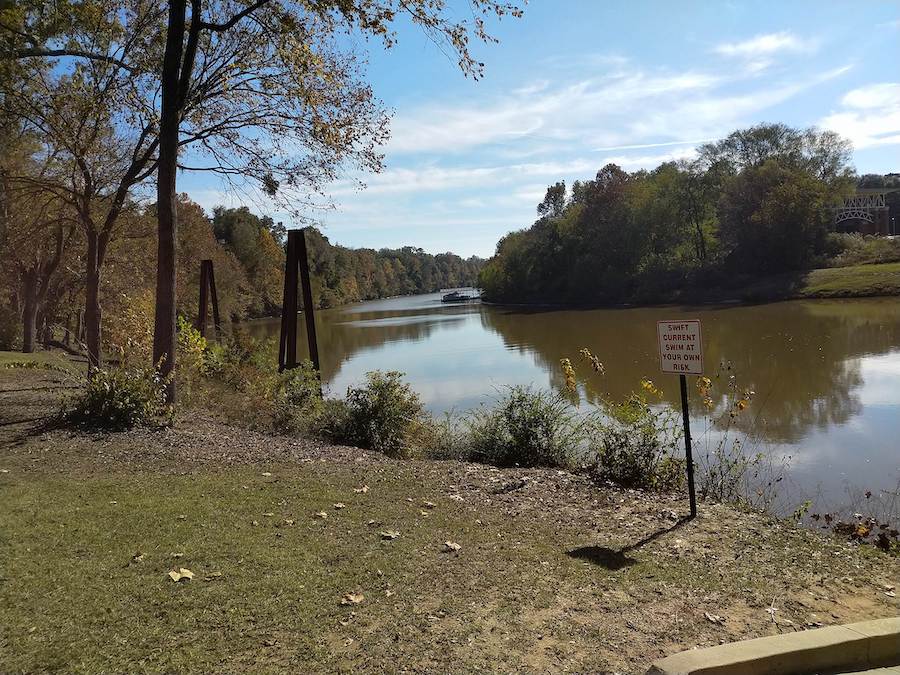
[{"x": 612, "y": 559}]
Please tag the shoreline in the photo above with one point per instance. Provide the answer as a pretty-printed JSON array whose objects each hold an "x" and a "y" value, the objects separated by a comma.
[
  {"x": 880, "y": 280},
  {"x": 568, "y": 563}
]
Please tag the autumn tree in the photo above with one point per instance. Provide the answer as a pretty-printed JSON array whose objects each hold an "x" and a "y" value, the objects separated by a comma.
[
  {"x": 258, "y": 92},
  {"x": 82, "y": 89},
  {"x": 270, "y": 72}
]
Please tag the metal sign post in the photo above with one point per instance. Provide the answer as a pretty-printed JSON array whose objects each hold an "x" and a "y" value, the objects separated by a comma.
[{"x": 681, "y": 352}]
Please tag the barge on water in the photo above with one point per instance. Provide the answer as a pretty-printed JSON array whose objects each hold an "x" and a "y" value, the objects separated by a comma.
[{"x": 458, "y": 295}]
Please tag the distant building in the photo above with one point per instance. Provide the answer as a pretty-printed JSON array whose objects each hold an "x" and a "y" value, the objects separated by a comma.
[{"x": 865, "y": 212}]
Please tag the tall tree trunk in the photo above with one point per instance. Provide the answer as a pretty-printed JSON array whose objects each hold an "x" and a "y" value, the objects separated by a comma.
[
  {"x": 167, "y": 216},
  {"x": 29, "y": 312},
  {"x": 701, "y": 241},
  {"x": 92, "y": 301}
]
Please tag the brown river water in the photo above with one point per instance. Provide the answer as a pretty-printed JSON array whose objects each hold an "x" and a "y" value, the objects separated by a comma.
[{"x": 826, "y": 373}]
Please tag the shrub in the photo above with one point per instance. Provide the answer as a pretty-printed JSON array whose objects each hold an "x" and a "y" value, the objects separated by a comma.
[
  {"x": 635, "y": 445},
  {"x": 297, "y": 398},
  {"x": 384, "y": 415},
  {"x": 121, "y": 398},
  {"x": 845, "y": 249},
  {"x": 526, "y": 428}
]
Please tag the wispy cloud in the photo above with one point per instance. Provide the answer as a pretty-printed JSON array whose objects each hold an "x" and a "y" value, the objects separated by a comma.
[
  {"x": 641, "y": 146},
  {"x": 765, "y": 45},
  {"x": 759, "y": 52},
  {"x": 431, "y": 178},
  {"x": 538, "y": 111},
  {"x": 870, "y": 116}
]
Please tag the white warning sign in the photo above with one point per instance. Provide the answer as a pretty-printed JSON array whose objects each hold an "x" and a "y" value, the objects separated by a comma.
[{"x": 680, "y": 347}]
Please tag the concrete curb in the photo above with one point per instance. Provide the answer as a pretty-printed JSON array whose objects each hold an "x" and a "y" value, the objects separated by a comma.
[{"x": 854, "y": 646}]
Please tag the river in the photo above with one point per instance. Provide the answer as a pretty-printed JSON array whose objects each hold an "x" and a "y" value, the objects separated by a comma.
[{"x": 826, "y": 373}]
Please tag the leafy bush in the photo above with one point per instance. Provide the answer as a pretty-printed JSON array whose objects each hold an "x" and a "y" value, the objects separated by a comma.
[
  {"x": 526, "y": 428},
  {"x": 297, "y": 399},
  {"x": 384, "y": 415},
  {"x": 121, "y": 398},
  {"x": 635, "y": 445},
  {"x": 846, "y": 249}
]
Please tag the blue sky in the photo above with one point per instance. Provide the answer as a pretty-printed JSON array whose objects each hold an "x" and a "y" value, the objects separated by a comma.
[{"x": 576, "y": 84}]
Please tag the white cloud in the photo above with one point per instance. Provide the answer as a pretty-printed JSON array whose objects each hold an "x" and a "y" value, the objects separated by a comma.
[
  {"x": 431, "y": 178},
  {"x": 870, "y": 116},
  {"x": 539, "y": 113},
  {"x": 641, "y": 146},
  {"x": 765, "y": 45}
]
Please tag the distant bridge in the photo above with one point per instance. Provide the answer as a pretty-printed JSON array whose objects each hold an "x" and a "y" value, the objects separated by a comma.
[{"x": 868, "y": 208}]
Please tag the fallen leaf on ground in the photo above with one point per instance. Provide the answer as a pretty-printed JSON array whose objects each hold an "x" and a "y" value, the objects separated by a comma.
[
  {"x": 424, "y": 513},
  {"x": 182, "y": 574},
  {"x": 429, "y": 505},
  {"x": 268, "y": 514},
  {"x": 339, "y": 505},
  {"x": 352, "y": 599},
  {"x": 714, "y": 618},
  {"x": 182, "y": 517},
  {"x": 266, "y": 474},
  {"x": 451, "y": 546},
  {"x": 890, "y": 594},
  {"x": 288, "y": 521},
  {"x": 178, "y": 555},
  {"x": 361, "y": 490},
  {"x": 212, "y": 576},
  {"x": 388, "y": 593},
  {"x": 271, "y": 642},
  {"x": 322, "y": 515},
  {"x": 390, "y": 534},
  {"x": 137, "y": 557}
]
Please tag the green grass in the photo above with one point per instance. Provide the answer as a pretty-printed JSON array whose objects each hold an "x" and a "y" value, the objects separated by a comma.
[
  {"x": 858, "y": 280},
  {"x": 73, "y": 600},
  {"x": 266, "y": 594},
  {"x": 51, "y": 360}
]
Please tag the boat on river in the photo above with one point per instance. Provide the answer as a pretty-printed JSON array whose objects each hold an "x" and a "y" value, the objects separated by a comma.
[{"x": 457, "y": 295}]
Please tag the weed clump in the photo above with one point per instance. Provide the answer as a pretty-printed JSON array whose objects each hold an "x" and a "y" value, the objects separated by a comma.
[
  {"x": 120, "y": 398},
  {"x": 636, "y": 445},
  {"x": 525, "y": 428},
  {"x": 384, "y": 415}
]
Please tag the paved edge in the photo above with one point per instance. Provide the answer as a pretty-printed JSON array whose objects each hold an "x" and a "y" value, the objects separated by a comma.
[{"x": 851, "y": 646}]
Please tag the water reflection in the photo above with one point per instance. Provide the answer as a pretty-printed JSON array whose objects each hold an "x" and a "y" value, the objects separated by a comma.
[{"x": 826, "y": 373}]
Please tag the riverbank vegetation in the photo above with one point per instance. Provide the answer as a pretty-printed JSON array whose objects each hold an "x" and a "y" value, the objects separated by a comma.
[
  {"x": 41, "y": 283},
  {"x": 295, "y": 554},
  {"x": 635, "y": 442},
  {"x": 98, "y": 99},
  {"x": 752, "y": 208}
]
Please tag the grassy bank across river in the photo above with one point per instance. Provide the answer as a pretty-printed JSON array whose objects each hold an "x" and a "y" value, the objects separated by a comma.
[
  {"x": 855, "y": 281},
  {"x": 310, "y": 557}
]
